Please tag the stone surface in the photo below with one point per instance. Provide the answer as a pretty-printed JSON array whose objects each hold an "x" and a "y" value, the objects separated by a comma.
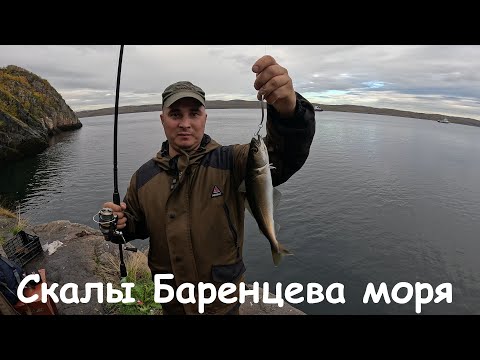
[
  {"x": 250, "y": 308},
  {"x": 77, "y": 261}
]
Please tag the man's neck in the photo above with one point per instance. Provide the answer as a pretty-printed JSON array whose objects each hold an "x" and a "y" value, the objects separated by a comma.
[{"x": 173, "y": 152}]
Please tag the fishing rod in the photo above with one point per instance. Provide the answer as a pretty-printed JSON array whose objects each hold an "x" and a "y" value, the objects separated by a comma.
[
  {"x": 116, "y": 195},
  {"x": 107, "y": 220}
]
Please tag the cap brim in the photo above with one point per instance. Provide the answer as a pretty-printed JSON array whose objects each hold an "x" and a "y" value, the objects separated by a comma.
[{"x": 184, "y": 94}]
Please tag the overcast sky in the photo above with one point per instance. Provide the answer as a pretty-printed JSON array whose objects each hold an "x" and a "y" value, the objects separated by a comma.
[{"x": 434, "y": 78}]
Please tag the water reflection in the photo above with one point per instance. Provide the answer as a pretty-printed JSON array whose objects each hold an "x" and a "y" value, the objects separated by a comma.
[
  {"x": 37, "y": 176},
  {"x": 378, "y": 200}
]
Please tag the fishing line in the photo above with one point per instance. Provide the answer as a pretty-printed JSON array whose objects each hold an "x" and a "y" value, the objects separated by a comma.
[
  {"x": 263, "y": 116},
  {"x": 260, "y": 126}
]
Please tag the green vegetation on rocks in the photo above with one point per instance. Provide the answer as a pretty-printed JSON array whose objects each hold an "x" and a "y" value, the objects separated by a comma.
[
  {"x": 31, "y": 110},
  {"x": 138, "y": 274},
  {"x": 10, "y": 225}
]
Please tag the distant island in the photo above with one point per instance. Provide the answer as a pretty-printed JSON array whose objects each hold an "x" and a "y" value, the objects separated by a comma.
[{"x": 243, "y": 104}]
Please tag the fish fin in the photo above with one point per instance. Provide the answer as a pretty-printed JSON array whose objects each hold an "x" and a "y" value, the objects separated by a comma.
[
  {"x": 277, "y": 228},
  {"x": 277, "y": 256},
  {"x": 242, "y": 187},
  {"x": 277, "y": 196},
  {"x": 247, "y": 206}
]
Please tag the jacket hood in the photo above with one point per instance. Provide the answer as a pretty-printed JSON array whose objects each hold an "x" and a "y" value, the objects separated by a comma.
[{"x": 185, "y": 159}]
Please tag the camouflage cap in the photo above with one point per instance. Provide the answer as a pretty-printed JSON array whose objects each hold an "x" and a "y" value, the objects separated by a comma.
[{"x": 181, "y": 90}]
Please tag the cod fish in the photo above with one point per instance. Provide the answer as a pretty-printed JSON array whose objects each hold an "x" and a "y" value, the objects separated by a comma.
[{"x": 261, "y": 196}]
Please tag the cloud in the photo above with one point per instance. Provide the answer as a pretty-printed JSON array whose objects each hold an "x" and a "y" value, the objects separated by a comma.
[{"x": 418, "y": 78}]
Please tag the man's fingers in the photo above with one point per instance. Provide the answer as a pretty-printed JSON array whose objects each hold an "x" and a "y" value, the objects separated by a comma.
[
  {"x": 112, "y": 206},
  {"x": 262, "y": 63},
  {"x": 118, "y": 210},
  {"x": 272, "y": 93},
  {"x": 269, "y": 73},
  {"x": 115, "y": 207},
  {"x": 280, "y": 85},
  {"x": 122, "y": 220},
  {"x": 121, "y": 223}
]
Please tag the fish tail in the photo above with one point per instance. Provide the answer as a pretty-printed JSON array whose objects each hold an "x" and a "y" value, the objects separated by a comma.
[{"x": 278, "y": 255}]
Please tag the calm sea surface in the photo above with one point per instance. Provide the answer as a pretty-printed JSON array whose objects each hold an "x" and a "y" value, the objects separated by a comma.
[{"x": 380, "y": 199}]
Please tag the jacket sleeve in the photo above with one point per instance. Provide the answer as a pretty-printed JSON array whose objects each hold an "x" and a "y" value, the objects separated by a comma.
[
  {"x": 136, "y": 226},
  {"x": 288, "y": 142}
]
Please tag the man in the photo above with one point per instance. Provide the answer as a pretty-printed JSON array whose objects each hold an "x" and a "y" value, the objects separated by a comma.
[{"x": 186, "y": 199}]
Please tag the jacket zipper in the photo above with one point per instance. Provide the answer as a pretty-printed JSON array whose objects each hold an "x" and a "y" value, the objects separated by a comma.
[{"x": 232, "y": 228}]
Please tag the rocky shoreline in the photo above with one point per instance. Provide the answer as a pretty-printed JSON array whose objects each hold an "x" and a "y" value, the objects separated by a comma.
[
  {"x": 78, "y": 259},
  {"x": 31, "y": 111}
]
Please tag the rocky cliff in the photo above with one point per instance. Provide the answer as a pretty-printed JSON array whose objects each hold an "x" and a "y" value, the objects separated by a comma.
[{"x": 31, "y": 110}]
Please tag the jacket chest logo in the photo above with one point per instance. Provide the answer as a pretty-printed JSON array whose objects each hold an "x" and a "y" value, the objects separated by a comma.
[{"x": 216, "y": 192}]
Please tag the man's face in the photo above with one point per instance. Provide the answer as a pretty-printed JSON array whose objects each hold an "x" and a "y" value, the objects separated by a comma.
[{"x": 184, "y": 124}]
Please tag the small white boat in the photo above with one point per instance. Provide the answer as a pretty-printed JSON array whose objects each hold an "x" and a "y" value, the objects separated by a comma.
[
  {"x": 444, "y": 121},
  {"x": 318, "y": 108}
]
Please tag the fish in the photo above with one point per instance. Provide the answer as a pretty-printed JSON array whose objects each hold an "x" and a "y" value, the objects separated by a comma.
[{"x": 261, "y": 196}]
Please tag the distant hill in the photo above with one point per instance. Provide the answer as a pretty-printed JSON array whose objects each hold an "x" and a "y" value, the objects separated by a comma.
[
  {"x": 242, "y": 104},
  {"x": 31, "y": 110},
  {"x": 212, "y": 104},
  {"x": 400, "y": 113}
]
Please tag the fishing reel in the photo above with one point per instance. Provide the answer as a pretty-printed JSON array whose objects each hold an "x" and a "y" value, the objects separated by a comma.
[{"x": 107, "y": 223}]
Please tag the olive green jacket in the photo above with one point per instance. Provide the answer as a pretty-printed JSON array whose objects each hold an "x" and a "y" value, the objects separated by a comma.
[{"x": 191, "y": 208}]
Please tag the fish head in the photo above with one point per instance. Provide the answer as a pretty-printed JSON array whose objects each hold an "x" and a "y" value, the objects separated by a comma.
[{"x": 258, "y": 150}]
